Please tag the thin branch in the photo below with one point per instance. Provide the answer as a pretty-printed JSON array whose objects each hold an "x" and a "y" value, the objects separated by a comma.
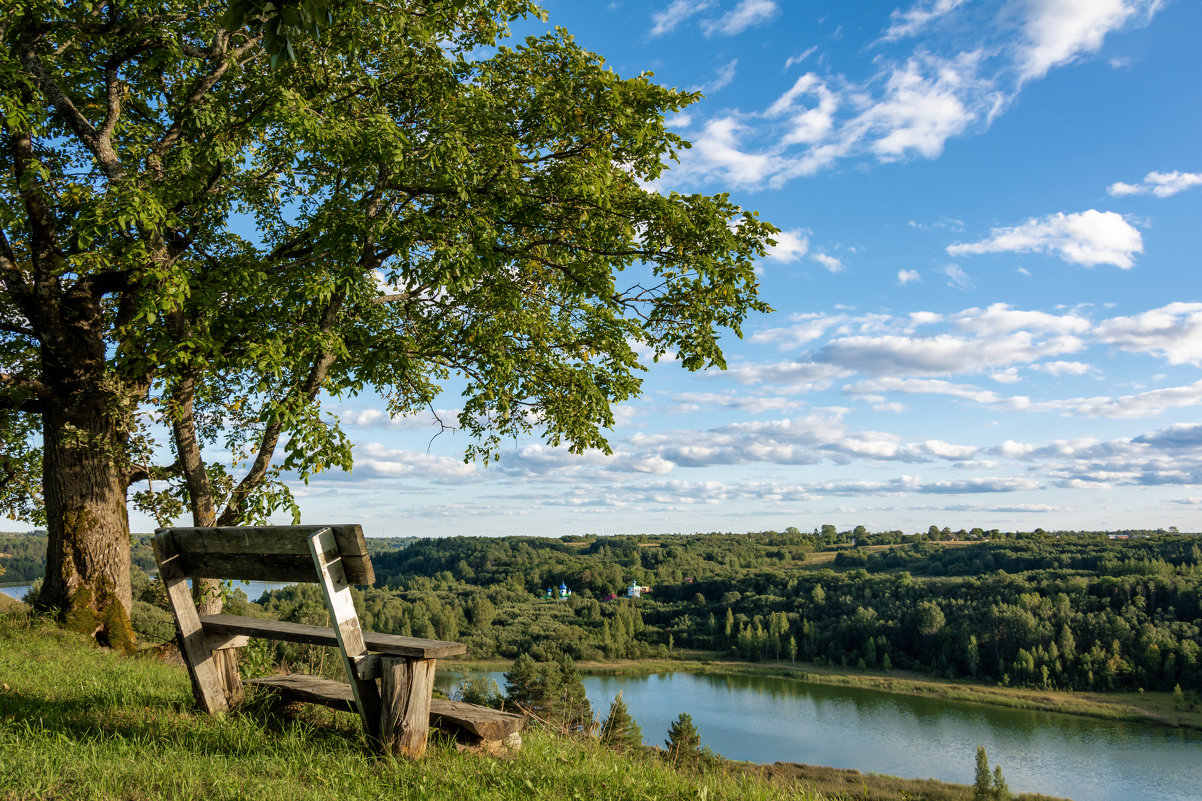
[{"x": 151, "y": 472}]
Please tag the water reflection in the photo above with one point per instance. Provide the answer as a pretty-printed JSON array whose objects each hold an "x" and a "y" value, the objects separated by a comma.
[{"x": 768, "y": 719}]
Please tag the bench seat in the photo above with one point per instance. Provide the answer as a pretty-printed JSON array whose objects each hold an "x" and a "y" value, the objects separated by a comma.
[{"x": 391, "y": 644}]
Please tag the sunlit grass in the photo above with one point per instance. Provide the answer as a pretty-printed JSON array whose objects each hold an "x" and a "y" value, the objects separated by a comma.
[{"x": 77, "y": 722}]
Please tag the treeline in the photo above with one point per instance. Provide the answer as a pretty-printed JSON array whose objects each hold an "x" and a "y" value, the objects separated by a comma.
[
  {"x": 1069, "y": 612},
  {"x": 1079, "y": 611},
  {"x": 22, "y": 557}
]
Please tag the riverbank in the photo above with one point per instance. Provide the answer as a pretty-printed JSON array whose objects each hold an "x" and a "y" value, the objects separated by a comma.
[{"x": 1156, "y": 708}]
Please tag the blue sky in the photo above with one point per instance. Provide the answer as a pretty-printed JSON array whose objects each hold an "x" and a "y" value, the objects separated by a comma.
[{"x": 986, "y": 287}]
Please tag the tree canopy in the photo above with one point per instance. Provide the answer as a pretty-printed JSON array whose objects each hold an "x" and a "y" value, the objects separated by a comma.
[{"x": 200, "y": 236}]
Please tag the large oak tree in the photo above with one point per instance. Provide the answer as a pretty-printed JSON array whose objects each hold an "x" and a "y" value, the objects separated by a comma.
[{"x": 213, "y": 217}]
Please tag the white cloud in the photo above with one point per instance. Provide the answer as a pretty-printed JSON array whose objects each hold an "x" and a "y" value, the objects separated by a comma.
[
  {"x": 906, "y": 276},
  {"x": 1160, "y": 184},
  {"x": 797, "y": 376},
  {"x": 829, "y": 262},
  {"x": 707, "y": 401},
  {"x": 378, "y": 460},
  {"x": 1000, "y": 318},
  {"x": 1143, "y": 404},
  {"x": 923, "y": 386},
  {"x": 1173, "y": 332},
  {"x": 957, "y": 278},
  {"x": 807, "y": 328},
  {"x": 719, "y": 149},
  {"x": 797, "y": 59},
  {"x": 1086, "y": 238},
  {"x": 940, "y": 354},
  {"x": 747, "y": 14},
  {"x": 790, "y": 246},
  {"x": 926, "y": 103},
  {"x": 376, "y": 418},
  {"x": 908, "y": 23},
  {"x": 722, "y": 78},
  {"x": 680, "y": 10},
  {"x": 1057, "y": 31},
  {"x": 1059, "y": 368}
]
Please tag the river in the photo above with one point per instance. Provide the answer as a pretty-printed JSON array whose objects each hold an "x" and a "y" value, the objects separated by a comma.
[
  {"x": 253, "y": 589},
  {"x": 764, "y": 719}
]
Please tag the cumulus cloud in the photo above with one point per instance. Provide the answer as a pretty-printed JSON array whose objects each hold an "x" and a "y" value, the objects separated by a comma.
[
  {"x": 1173, "y": 332},
  {"x": 377, "y": 460},
  {"x": 1001, "y": 318},
  {"x": 1160, "y": 184},
  {"x": 1058, "y": 31},
  {"x": 1086, "y": 238},
  {"x": 707, "y": 401},
  {"x": 797, "y": 376},
  {"x": 926, "y": 103},
  {"x": 377, "y": 418},
  {"x": 907, "y": 276},
  {"x": 790, "y": 246},
  {"x": 1059, "y": 368},
  {"x": 829, "y": 262},
  {"x": 940, "y": 354}
]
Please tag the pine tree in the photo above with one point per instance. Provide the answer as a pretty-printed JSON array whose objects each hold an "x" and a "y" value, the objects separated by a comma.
[
  {"x": 620, "y": 730},
  {"x": 684, "y": 741},
  {"x": 569, "y": 705},
  {"x": 522, "y": 682}
]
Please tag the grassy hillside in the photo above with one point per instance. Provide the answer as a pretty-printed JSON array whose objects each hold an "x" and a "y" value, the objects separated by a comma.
[{"x": 77, "y": 722}]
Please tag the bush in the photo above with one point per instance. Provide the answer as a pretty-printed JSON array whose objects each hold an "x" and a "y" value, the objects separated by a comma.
[{"x": 152, "y": 625}]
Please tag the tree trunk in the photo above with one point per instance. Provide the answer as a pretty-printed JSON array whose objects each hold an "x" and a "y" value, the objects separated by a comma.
[
  {"x": 205, "y": 592},
  {"x": 87, "y": 558}
]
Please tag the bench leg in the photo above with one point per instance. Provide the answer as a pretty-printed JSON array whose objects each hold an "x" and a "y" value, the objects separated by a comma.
[
  {"x": 406, "y": 685},
  {"x": 226, "y": 662}
]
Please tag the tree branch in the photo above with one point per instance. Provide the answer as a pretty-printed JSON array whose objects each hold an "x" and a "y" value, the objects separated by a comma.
[{"x": 100, "y": 147}]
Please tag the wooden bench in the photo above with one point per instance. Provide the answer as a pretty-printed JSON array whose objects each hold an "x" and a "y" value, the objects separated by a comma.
[{"x": 396, "y": 713}]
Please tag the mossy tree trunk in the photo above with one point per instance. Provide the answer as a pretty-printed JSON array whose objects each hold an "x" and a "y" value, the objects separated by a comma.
[{"x": 88, "y": 554}]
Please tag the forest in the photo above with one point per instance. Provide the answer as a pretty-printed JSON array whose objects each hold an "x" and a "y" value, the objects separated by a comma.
[{"x": 1080, "y": 611}]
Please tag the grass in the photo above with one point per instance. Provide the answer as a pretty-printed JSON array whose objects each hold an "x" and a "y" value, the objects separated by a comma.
[{"x": 77, "y": 722}]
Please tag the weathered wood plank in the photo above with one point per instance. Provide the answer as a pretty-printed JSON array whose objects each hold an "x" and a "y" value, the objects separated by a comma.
[
  {"x": 337, "y": 591},
  {"x": 406, "y": 685},
  {"x": 267, "y": 553},
  {"x": 221, "y": 642},
  {"x": 312, "y": 690},
  {"x": 202, "y": 669},
  {"x": 480, "y": 722},
  {"x": 392, "y": 644},
  {"x": 468, "y": 723}
]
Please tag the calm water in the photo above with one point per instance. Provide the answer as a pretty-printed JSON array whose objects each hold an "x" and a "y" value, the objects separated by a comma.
[
  {"x": 762, "y": 719},
  {"x": 15, "y": 591},
  {"x": 253, "y": 589}
]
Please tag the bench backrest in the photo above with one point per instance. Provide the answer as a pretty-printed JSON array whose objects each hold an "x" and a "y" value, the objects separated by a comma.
[{"x": 262, "y": 553}]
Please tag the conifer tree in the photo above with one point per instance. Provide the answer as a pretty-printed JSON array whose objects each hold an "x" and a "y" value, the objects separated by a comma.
[
  {"x": 684, "y": 741},
  {"x": 620, "y": 730},
  {"x": 522, "y": 682}
]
